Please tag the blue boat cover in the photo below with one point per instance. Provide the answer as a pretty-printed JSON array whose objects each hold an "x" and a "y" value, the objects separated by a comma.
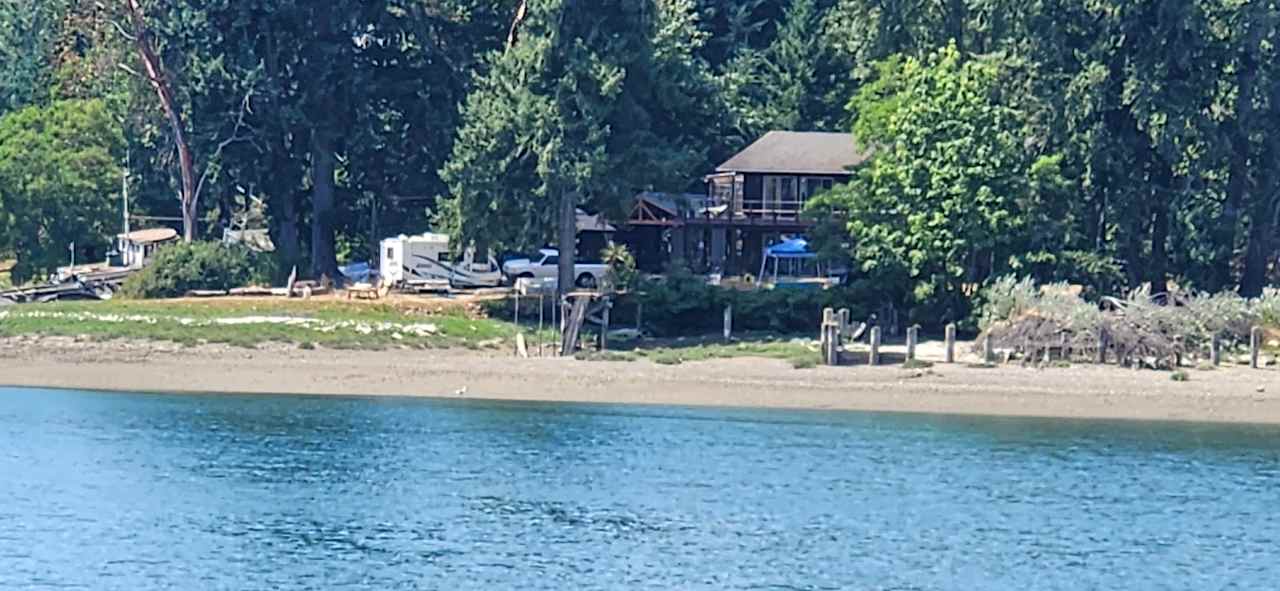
[{"x": 795, "y": 248}]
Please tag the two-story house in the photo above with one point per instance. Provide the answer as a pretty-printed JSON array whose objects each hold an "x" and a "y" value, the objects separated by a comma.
[{"x": 752, "y": 199}]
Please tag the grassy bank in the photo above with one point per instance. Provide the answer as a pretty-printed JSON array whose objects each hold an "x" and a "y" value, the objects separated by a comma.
[
  {"x": 799, "y": 353},
  {"x": 338, "y": 324},
  {"x": 248, "y": 323}
]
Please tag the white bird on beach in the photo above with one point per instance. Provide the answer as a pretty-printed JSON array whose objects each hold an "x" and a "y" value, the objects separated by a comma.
[{"x": 460, "y": 391}]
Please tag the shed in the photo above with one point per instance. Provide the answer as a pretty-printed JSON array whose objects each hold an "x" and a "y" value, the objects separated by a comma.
[{"x": 136, "y": 247}]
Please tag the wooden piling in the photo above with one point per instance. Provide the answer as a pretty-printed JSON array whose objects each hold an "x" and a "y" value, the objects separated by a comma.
[
  {"x": 1215, "y": 350},
  {"x": 829, "y": 337},
  {"x": 913, "y": 336},
  {"x": 988, "y": 350},
  {"x": 1101, "y": 358},
  {"x": 1255, "y": 347},
  {"x": 604, "y": 326},
  {"x": 950, "y": 355},
  {"x": 846, "y": 324},
  {"x": 875, "y": 346}
]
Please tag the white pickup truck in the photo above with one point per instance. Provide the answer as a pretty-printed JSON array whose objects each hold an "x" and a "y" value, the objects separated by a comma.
[{"x": 546, "y": 266}]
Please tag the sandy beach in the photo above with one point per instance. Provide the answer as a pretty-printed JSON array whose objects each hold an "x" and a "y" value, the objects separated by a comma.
[{"x": 1223, "y": 395}]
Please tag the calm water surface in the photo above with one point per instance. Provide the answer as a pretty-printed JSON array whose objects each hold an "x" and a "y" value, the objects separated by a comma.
[{"x": 113, "y": 491}]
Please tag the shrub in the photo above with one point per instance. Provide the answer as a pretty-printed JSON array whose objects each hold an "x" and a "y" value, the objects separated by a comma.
[
  {"x": 622, "y": 267},
  {"x": 183, "y": 267},
  {"x": 684, "y": 304}
]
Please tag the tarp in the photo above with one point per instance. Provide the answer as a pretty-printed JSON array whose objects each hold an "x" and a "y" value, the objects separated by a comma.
[
  {"x": 357, "y": 272},
  {"x": 796, "y": 248}
]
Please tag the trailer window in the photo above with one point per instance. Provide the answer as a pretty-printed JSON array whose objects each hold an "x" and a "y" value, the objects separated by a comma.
[
  {"x": 552, "y": 260},
  {"x": 391, "y": 253}
]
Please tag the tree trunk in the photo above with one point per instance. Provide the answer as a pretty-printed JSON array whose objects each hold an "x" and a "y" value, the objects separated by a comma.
[
  {"x": 567, "y": 242},
  {"x": 159, "y": 79},
  {"x": 323, "y": 163},
  {"x": 288, "y": 238},
  {"x": 1262, "y": 213},
  {"x": 1228, "y": 221},
  {"x": 1161, "y": 196},
  {"x": 1159, "y": 268},
  {"x": 1258, "y": 254}
]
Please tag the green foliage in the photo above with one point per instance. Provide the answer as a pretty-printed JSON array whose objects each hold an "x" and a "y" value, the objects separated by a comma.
[
  {"x": 180, "y": 268},
  {"x": 596, "y": 100},
  {"x": 1180, "y": 376},
  {"x": 622, "y": 267},
  {"x": 944, "y": 197},
  {"x": 684, "y": 304},
  {"x": 59, "y": 173}
]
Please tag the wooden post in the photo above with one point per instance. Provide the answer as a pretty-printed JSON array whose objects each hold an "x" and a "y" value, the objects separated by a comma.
[
  {"x": 1255, "y": 347},
  {"x": 988, "y": 350},
  {"x": 830, "y": 337},
  {"x": 846, "y": 328},
  {"x": 542, "y": 304},
  {"x": 1215, "y": 350},
  {"x": 516, "y": 321},
  {"x": 875, "y": 346},
  {"x": 913, "y": 335},
  {"x": 1102, "y": 347},
  {"x": 604, "y": 325},
  {"x": 950, "y": 355},
  {"x": 639, "y": 316},
  {"x": 728, "y": 321}
]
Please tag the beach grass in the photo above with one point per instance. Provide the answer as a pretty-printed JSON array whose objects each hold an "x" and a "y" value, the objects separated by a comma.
[
  {"x": 249, "y": 323},
  {"x": 799, "y": 354}
]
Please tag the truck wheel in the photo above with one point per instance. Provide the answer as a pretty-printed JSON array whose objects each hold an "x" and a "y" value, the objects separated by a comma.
[{"x": 587, "y": 281}]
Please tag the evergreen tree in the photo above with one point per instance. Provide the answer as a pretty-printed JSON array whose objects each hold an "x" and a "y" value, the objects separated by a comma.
[{"x": 596, "y": 101}]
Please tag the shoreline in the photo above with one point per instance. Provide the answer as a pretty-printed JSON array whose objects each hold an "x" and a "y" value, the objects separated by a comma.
[{"x": 1231, "y": 395}]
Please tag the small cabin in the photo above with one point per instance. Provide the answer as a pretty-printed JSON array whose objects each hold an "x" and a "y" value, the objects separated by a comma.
[{"x": 134, "y": 249}]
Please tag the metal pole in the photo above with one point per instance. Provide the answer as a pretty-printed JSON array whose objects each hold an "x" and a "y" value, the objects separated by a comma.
[{"x": 728, "y": 321}]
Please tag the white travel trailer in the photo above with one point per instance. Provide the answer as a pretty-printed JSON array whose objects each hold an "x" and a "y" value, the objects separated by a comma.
[{"x": 421, "y": 263}]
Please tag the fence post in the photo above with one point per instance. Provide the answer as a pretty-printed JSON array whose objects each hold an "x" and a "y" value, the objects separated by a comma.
[
  {"x": 1215, "y": 350},
  {"x": 913, "y": 335},
  {"x": 1255, "y": 347},
  {"x": 875, "y": 346},
  {"x": 951, "y": 343},
  {"x": 988, "y": 350},
  {"x": 844, "y": 317}
]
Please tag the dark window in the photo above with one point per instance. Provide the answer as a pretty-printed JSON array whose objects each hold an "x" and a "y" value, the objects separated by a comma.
[{"x": 551, "y": 261}]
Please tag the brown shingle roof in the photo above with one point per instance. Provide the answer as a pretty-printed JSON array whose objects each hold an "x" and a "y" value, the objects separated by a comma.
[{"x": 798, "y": 152}]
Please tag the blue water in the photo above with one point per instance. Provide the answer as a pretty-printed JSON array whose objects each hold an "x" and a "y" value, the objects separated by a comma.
[{"x": 136, "y": 492}]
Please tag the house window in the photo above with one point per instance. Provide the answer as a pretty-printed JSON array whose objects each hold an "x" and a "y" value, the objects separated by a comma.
[
  {"x": 813, "y": 186},
  {"x": 780, "y": 193}
]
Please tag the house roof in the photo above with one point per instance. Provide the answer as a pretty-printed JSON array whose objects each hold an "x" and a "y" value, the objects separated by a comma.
[
  {"x": 150, "y": 235},
  {"x": 798, "y": 152}
]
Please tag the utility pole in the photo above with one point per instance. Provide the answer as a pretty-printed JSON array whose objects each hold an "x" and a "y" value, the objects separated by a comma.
[{"x": 124, "y": 191}]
